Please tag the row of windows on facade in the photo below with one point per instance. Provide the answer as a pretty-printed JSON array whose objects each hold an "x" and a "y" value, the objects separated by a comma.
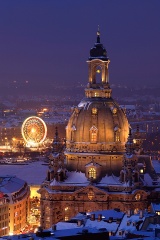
[
  {"x": 3, "y": 209},
  {"x": 3, "y": 224},
  {"x": 19, "y": 205},
  {"x": 94, "y": 135},
  {"x": 4, "y": 231},
  {"x": 3, "y": 217}
]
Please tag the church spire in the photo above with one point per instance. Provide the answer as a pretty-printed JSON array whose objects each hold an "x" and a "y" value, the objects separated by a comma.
[
  {"x": 98, "y": 61},
  {"x": 130, "y": 144},
  {"x": 56, "y": 141},
  {"x": 98, "y": 35}
]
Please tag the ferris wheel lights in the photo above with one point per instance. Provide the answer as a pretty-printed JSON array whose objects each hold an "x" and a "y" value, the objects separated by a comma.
[{"x": 34, "y": 131}]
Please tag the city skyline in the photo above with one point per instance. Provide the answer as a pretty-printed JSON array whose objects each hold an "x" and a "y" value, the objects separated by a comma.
[{"x": 44, "y": 43}]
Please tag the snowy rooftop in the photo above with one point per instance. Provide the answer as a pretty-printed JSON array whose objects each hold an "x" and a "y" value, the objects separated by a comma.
[
  {"x": 156, "y": 207},
  {"x": 111, "y": 221},
  {"x": 80, "y": 178},
  {"x": 156, "y": 165},
  {"x": 10, "y": 184}
]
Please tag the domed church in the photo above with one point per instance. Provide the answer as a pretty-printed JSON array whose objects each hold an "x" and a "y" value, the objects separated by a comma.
[
  {"x": 101, "y": 166},
  {"x": 98, "y": 128}
]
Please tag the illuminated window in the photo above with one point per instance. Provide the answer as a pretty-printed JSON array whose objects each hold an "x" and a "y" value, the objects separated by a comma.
[
  {"x": 114, "y": 110},
  {"x": 138, "y": 196},
  {"x": 141, "y": 170},
  {"x": 96, "y": 94},
  {"x": 66, "y": 217},
  {"x": 98, "y": 74},
  {"x": 93, "y": 133},
  {"x": 92, "y": 173},
  {"x": 117, "y": 136},
  {"x": 94, "y": 110},
  {"x": 134, "y": 140},
  {"x": 93, "y": 137},
  {"x": 136, "y": 210}
]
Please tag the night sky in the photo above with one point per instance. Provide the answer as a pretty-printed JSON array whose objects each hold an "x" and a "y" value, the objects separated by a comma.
[{"x": 43, "y": 42}]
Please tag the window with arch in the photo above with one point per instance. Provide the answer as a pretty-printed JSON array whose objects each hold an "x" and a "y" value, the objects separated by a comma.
[
  {"x": 98, "y": 74},
  {"x": 92, "y": 173},
  {"x": 117, "y": 136},
  {"x": 73, "y": 129},
  {"x": 93, "y": 134},
  {"x": 67, "y": 213}
]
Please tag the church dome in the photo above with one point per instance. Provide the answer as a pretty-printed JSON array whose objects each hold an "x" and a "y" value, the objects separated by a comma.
[
  {"x": 97, "y": 124},
  {"x": 98, "y": 127}
]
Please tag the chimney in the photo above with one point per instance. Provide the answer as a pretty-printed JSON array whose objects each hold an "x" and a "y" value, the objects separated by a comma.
[
  {"x": 54, "y": 227},
  {"x": 92, "y": 217},
  {"x": 129, "y": 213},
  {"x": 79, "y": 223},
  {"x": 99, "y": 217},
  {"x": 141, "y": 214},
  {"x": 110, "y": 219}
]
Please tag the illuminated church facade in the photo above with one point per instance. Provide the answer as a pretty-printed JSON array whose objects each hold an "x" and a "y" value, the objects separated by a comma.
[{"x": 102, "y": 166}]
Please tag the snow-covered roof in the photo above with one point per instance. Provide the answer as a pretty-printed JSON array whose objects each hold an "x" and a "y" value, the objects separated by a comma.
[
  {"x": 106, "y": 214},
  {"x": 156, "y": 165},
  {"x": 92, "y": 163},
  {"x": 76, "y": 177},
  {"x": 110, "y": 180},
  {"x": 147, "y": 179},
  {"x": 10, "y": 184},
  {"x": 155, "y": 207}
]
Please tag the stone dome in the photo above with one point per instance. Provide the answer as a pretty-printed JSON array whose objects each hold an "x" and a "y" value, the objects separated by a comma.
[{"x": 97, "y": 124}]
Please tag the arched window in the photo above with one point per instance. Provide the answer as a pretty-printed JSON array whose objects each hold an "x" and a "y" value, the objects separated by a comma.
[
  {"x": 92, "y": 173},
  {"x": 73, "y": 129},
  {"x": 66, "y": 213},
  {"x": 98, "y": 74},
  {"x": 93, "y": 134},
  {"x": 117, "y": 136}
]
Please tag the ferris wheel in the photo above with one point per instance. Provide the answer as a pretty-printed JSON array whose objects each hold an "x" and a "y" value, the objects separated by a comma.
[{"x": 34, "y": 130}]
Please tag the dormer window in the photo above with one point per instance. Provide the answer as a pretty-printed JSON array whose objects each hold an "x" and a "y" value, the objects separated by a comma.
[
  {"x": 116, "y": 134},
  {"x": 93, "y": 170},
  {"x": 114, "y": 110},
  {"x": 73, "y": 128},
  {"x": 93, "y": 134},
  {"x": 92, "y": 173}
]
